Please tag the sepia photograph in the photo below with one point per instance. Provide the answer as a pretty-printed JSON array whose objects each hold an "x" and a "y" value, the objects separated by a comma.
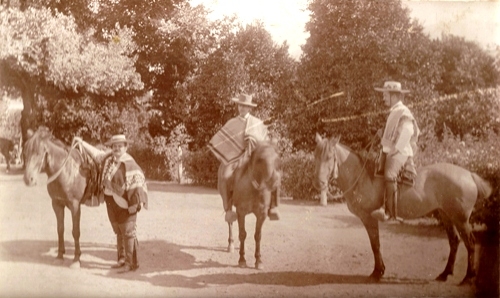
[{"x": 265, "y": 148}]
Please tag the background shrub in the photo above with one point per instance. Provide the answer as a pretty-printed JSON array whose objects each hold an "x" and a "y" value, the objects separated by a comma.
[{"x": 201, "y": 167}]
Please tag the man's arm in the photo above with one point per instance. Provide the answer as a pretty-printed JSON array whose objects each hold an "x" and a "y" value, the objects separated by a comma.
[{"x": 96, "y": 154}]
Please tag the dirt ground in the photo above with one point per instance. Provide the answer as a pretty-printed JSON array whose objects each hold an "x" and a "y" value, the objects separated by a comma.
[{"x": 312, "y": 251}]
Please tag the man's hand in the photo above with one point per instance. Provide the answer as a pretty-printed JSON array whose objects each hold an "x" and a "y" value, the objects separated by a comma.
[{"x": 77, "y": 140}]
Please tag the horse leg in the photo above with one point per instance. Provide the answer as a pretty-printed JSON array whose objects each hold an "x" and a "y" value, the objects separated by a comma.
[
  {"x": 76, "y": 214},
  {"x": 454, "y": 241},
  {"x": 258, "y": 236},
  {"x": 59, "y": 211},
  {"x": 465, "y": 232},
  {"x": 242, "y": 235},
  {"x": 230, "y": 240},
  {"x": 371, "y": 226}
]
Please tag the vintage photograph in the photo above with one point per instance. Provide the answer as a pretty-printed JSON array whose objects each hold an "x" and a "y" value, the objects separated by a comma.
[{"x": 222, "y": 148}]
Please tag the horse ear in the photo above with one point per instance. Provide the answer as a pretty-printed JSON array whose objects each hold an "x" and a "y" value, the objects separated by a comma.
[
  {"x": 334, "y": 140},
  {"x": 318, "y": 138}
]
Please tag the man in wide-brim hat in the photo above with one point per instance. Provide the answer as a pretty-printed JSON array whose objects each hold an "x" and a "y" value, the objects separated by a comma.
[
  {"x": 398, "y": 141},
  {"x": 233, "y": 143}
]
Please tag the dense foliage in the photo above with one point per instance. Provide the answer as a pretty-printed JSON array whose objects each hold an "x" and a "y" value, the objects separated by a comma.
[{"x": 163, "y": 73}]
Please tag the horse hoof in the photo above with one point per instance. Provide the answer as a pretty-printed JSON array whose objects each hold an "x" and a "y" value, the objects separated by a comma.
[
  {"x": 58, "y": 261},
  {"x": 230, "y": 248},
  {"x": 259, "y": 266},
  {"x": 75, "y": 265},
  {"x": 376, "y": 276},
  {"x": 442, "y": 277},
  {"x": 467, "y": 281},
  {"x": 242, "y": 264}
]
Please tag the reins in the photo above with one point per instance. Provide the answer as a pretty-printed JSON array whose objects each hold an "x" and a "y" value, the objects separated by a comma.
[
  {"x": 362, "y": 168},
  {"x": 56, "y": 174}
]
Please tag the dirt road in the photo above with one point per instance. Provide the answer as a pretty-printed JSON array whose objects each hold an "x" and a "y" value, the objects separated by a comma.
[{"x": 312, "y": 251}]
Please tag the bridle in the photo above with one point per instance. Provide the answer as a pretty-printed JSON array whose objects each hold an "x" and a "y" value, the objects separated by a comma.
[
  {"x": 56, "y": 174},
  {"x": 336, "y": 167}
]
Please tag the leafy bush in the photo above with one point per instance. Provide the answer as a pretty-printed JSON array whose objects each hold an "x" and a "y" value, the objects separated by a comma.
[
  {"x": 201, "y": 167},
  {"x": 296, "y": 182},
  {"x": 155, "y": 165}
]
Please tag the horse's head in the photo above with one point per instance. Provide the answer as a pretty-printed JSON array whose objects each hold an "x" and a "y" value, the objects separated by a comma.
[
  {"x": 265, "y": 165},
  {"x": 35, "y": 151},
  {"x": 325, "y": 161}
]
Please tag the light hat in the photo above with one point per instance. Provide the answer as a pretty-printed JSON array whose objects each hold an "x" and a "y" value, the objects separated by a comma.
[
  {"x": 392, "y": 86},
  {"x": 244, "y": 99},
  {"x": 118, "y": 139}
]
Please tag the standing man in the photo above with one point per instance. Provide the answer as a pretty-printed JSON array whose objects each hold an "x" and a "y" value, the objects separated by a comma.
[
  {"x": 124, "y": 188},
  {"x": 232, "y": 145},
  {"x": 398, "y": 140}
]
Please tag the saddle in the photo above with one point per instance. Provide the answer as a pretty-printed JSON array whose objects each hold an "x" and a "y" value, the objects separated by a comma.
[
  {"x": 91, "y": 195},
  {"x": 407, "y": 174}
]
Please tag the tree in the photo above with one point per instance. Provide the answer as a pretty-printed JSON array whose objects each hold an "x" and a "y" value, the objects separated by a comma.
[
  {"x": 353, "y": 47},
  {"x": 243, "y": 60},
  {"x": 466, "y": 66},
  {"x": 43, "y": 56}
]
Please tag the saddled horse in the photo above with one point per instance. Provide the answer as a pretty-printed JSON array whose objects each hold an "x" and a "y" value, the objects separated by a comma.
[
  {"x": 254, "y": 181},
  {"x": 448, "y": 188},
  {"x": 68, "y": 175},
  {"x": 8, "y": 150}
]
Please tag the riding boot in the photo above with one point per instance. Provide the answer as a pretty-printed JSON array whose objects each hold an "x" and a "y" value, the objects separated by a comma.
[
  {"x": 383, "y": 213},
  {"x": 391, "y": 191},
  {"x": 130, "y": 256},
  {"x": 130, "y": 242},
  {"x": 120, "y": 250},
  {"x": 273, "y": 213}
]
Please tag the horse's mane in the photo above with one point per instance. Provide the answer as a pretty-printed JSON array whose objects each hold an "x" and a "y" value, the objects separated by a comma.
[
  {"x": 368, "y": 163},
  {"x": 41, "y": 135},
  {"x": 327, "y": 147}
]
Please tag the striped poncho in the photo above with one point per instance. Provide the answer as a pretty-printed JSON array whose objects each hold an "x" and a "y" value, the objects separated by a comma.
[{"x": 229, "y": 143}]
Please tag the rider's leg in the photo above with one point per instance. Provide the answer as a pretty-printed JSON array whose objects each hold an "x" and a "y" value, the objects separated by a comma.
[
  {"x": 273, "y": 210},
  {"x": 393, "y": 165},
  {"x": 224, "y": 187}
]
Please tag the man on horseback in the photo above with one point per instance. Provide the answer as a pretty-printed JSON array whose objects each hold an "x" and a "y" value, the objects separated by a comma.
[
  {"x": 398, "y": 141},
  {"x": 124, "y": 188},
  {"x": 232, "y": 145}
]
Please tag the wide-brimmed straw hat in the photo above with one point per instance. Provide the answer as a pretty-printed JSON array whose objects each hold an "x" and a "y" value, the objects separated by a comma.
[
  {"x": 392, "y": 86},
  {"x": 118, "y": 139},
  {"x": 244, "y": 99}
]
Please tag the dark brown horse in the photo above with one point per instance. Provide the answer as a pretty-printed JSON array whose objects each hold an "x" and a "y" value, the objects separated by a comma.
[
  {"x": 445, "y": 187},
  {"x": 253, "y": 183},
  {"x": 67, "y": 179},
  {"x": 8, "y": 150}
]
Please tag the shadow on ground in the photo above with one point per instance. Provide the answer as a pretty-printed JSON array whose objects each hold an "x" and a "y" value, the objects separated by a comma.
[{"x": 167, "y": 265}]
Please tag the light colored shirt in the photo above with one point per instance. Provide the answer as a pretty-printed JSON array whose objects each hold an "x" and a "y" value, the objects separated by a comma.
[{"x": 400, "y": 131}]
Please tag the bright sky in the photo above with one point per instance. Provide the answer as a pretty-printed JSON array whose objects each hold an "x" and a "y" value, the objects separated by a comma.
[{"x": 285, "y": 19}]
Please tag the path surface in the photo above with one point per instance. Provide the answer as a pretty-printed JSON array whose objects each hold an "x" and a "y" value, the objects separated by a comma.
[{"x": 312, "y": 251}]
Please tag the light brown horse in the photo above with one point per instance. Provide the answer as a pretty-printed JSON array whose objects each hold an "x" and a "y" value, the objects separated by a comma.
[
  {"x": 450, "y": 189},
  {"x": 253, "y": 183},
  {"x": 43, "y": 153}
]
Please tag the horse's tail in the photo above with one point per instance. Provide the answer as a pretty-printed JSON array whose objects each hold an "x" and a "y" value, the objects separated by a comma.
[{"x": 484, "y": 188}]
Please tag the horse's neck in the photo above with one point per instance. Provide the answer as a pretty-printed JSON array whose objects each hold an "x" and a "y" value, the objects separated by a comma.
[
  {"x": 352, "y": 169},
  {"x": 57, "y": 155}
]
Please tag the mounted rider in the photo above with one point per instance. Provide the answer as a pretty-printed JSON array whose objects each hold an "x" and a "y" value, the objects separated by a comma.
[
  {"x": 232, "y": 145},
  {"x": 399, "y": 145}
]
